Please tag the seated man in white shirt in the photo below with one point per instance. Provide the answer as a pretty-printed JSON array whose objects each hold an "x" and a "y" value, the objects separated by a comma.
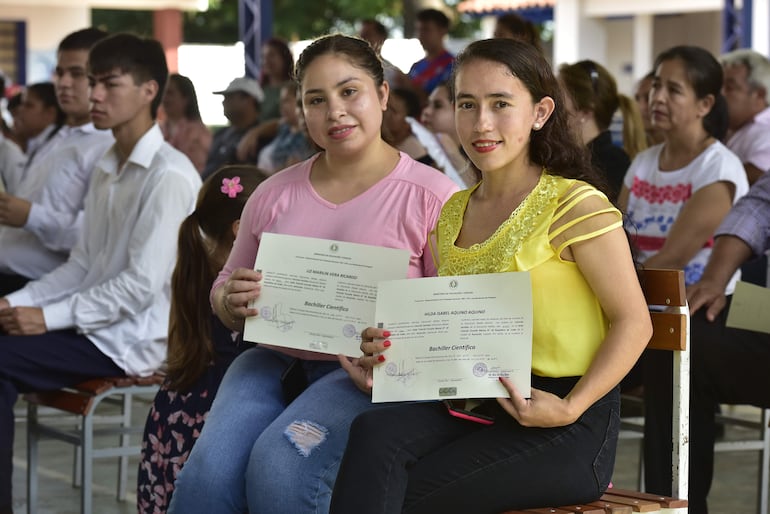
[
  {"x": 747, "y": 92},
  {"x": 41, "y": 216},
  {"x": 105, "y": 311}
]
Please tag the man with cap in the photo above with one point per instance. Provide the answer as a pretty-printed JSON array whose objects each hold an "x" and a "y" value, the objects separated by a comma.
[{"x": 241, "y": 102}]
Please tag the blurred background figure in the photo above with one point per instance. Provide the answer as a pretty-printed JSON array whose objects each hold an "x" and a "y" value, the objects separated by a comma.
[
  {"x": 642, "y": 97},
  {"x": 38, "y": 119},
  {"x": 513, "y": 26},
  {"x": 397, "y": 129},
  {"x": 431, "y": 26},
  {"x": 277, "y": 67},
  {"x": 441, "y": 140},
  {"x": 241, "y": 105},
  {"x": 183, "y": 128},
  {"x": 375, "y": 33},
  {"x": 592, "y": 98},
  {"x": 291, "y": 144},
  {"x": 746, "y": 87}
]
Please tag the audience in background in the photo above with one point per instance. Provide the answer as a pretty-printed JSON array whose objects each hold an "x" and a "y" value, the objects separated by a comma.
[
  {"x": 438, "y": 134},
  {"x": 513, "y": 26},
  {"x": 642, "y": 97},
  {"x": 241, "y": 104},
  {"x": 291, "y": 144},
  {"x": 676, "y": 193},
  {"x": 746, "y": 89},
  {"x": 41, "y": 221},
  {"x": 592, "y": 99},
  {"x": 432, "y": 26},
  {"x": 375, "y": 33},
  {"x": 38, "y": 120},
  {"x": 277, "y": 67},
  {"x": 183, "y": 128},
  {"x": 278, "y": 64},
  {"x": 404, "y": 110},
  {"x": 105, "y": 311}
]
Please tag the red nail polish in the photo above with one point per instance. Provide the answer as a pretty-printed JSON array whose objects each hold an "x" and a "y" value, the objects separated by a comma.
[
  {"x": 386, "y": 333},
  {"x": 381, "y": 358},
  {"x": 500, "y": 379},
  {"x": 386, "y": 344}
]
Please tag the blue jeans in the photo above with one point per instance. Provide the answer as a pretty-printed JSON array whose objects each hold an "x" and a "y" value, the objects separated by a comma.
[{"x": 258, "y": 454}]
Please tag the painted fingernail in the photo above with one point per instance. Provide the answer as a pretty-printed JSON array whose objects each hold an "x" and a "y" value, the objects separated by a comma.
[
  {"x": 500, "y": 379},
  {"x": 386, "y": 344},
  {"x": 386, "y": 333},
  {"x": 381, "y": 358}
]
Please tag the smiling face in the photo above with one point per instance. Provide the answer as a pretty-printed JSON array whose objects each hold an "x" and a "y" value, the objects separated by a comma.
[
  {"x": 342, "y": 104},
  {"x": 439, "y": 114},
  {"x": 494, "y": 115},
  {"x": 674, "y": 106}
]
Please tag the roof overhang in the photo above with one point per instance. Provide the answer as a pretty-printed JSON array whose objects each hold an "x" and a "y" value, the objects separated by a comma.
[{"x": 534, "y": 10}]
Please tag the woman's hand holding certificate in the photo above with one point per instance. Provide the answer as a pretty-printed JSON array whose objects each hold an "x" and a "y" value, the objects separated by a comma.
[
  {"x": 455, "y": 337},
  {"x": 319, "y": 294}
]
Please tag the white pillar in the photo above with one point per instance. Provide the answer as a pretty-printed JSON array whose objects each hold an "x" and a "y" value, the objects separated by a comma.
[
  {"x": 488, "y": 23},
  {"x": 760, "y": 27},
  {"x": 643, "y": 58},
  {"x": 576, "y": 36}
]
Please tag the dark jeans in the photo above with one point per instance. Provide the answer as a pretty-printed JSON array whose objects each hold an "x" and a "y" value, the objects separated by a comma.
[
  {"x": 727, "y": 366},
  {"x": 11, "y": 283},
  {"x": 38, "y": 363},
  {"x": 417, "y": 458}
]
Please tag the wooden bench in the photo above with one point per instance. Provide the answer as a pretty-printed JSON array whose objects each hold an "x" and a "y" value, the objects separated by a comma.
[
  {"x": 82, "y": 401},
  {"x": 671, "y": 331}
]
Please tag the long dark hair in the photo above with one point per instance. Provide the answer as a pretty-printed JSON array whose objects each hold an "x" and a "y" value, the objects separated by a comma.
[
  {"x": 187, "y": 90},
  {"x": 553, "y": 147},
  {"x": 190, "y": 349}
]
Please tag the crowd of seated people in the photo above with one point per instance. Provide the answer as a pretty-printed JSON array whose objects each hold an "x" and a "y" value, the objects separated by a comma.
[{"x": 690, "y": 175}]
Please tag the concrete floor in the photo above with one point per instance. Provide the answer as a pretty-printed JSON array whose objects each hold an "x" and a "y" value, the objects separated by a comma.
[{"x": 734, "y": 490}]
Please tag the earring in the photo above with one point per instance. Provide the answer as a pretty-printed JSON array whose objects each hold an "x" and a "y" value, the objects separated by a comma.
[{"x": 536, "y": 126}]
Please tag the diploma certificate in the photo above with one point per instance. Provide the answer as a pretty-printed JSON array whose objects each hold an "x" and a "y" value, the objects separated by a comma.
[
  {"x": 453, "y": 337},
  {"x": 318, "y": 294}
]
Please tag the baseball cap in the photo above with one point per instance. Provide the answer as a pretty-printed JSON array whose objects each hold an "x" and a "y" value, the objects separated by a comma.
[{"x": 244, "y": 85}]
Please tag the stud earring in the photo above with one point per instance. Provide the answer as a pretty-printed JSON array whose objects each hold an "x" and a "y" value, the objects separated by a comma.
[{"x": 536, "y": 126}]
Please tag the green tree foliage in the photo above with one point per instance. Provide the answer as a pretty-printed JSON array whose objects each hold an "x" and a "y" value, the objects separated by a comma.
[{"x": 293, "y": 19}]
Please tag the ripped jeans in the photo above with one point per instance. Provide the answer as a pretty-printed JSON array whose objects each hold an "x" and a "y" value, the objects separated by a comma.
[{"x": 256, "y": 453}]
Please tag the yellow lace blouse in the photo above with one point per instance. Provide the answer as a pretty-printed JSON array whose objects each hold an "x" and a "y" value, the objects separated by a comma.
[{"x": 569, "y": 324}]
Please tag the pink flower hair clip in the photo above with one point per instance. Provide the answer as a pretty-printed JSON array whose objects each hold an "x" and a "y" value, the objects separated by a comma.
[{"x": 231, "y": 186}]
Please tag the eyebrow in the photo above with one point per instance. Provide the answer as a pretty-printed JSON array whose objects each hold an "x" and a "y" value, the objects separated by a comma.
[
  {"x": 490, "y": 95},
  {"x": 104, "y": 78},
  {"x": 338, "y": 84}
]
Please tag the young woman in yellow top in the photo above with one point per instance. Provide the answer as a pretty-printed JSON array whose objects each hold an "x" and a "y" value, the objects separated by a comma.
[{"x": 534, "y": 210}]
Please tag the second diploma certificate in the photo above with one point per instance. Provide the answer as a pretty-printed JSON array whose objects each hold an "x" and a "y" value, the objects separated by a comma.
[
  {"x": 453, "y": 337},
  {"x": 319, "y": 294}
]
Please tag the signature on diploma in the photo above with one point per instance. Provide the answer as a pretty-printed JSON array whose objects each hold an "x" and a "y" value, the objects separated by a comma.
[
  {"x": 275, "y": 315},
  {"x": 400, "y": 372}
]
